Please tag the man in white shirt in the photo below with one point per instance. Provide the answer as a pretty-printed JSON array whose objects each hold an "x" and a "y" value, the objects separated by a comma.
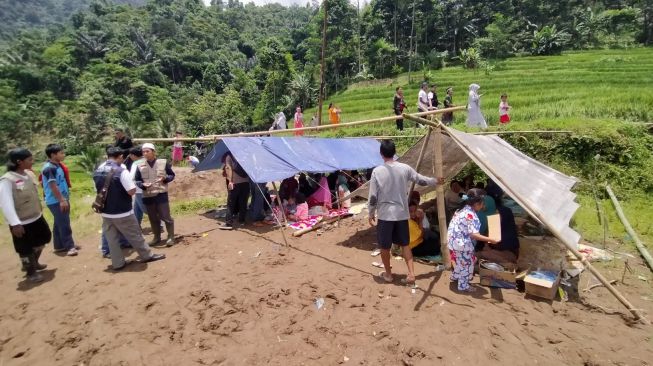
[
  {"x": 21, "y": 207},
  {"x": 118, "y": 214},
  {"x": 423, "y": 98}
]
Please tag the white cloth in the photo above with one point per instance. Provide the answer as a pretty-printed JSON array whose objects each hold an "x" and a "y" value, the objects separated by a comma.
[
  {"x": 280, "y": 121},
  {"x": 474, "y": 116},
  {"x": 132, "y": 173},
  {"x": 7, "y": 203},
  {"x": 422, "y": 100},
  {"x": 127, "y": 182}
]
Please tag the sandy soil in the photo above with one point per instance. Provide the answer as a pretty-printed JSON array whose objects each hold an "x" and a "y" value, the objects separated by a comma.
[{"x": 240, "y": 298}]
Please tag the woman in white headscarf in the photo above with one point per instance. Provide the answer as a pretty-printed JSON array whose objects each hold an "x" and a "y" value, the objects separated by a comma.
[{"x": 474, "y": 116}]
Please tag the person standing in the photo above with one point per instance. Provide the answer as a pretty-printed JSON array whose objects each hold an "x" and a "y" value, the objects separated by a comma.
[
  {"x": 398, "y": 105},
  {"x": 238, "y": 192},
  {"x": 447, "y": 117},
  {"x": 504, "y": 107},
  {"x": 334, "y": 114},
  {"x": 388, "y": 206},
  {"x": 423, "y": 98},
  {"x": 153, "y": 177},
  {"x": 434, "y": 103},
  {"x": 136, "y": 155},
  {"x": 125, "y": 144},
  {"x": 177, "y": 149},
  {"x": 462, "y": 234},
  {"x": 118, "y": 218},
  {"x": 474, "y": 116},
  {"x": 21, "y": 207},
  {"x": 57, "y": 198},
  {"x": 299, "y": 121}
]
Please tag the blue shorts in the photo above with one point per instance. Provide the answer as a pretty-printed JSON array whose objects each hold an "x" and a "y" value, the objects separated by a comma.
[{"x": 392, "y": 232}]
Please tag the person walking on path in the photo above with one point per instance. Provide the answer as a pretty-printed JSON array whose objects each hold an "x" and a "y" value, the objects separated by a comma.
[
  {"x": 238, "y": 192},
  {"x": 334, "y": 114},
  {"x": 57, "y": 198},
  {"x": 299, "y": 121},
  {"x": 398, "y": 106},
  {"x": 153, "y": 177},
  {"x": 474, "y": 116},
  {"x": 21, "y": 207},
  {"x": 447, "y": 117},
  {"x": 118, "y": 218},
  {"x": 388, "y": 206}
]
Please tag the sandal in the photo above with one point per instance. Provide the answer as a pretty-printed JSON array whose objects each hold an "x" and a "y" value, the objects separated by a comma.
[{"x": 154, "y": 257}]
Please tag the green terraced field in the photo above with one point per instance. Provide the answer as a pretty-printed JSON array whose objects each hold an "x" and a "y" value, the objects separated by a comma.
[{"x": 605, "y": 84}]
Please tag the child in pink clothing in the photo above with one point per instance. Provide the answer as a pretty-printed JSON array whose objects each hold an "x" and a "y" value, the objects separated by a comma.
[
  {"x": 504, "y": 107},
  {"x": 301, "y": 209}
]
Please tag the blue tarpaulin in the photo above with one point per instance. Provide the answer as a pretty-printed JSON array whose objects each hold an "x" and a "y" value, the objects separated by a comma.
[{"x": 267, "y": 159}]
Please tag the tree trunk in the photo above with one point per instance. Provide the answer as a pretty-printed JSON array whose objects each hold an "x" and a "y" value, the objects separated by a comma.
[{"x": 410, "y": 48}]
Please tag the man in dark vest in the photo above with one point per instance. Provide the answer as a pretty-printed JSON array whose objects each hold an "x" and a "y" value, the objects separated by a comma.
[
  {"x": 21, "y": 206},
  {"x": 153, "y": 177},
  {"x": 118, "y": 213}
]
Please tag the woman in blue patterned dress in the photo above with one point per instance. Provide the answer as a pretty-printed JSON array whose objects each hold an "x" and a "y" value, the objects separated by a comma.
[{"x": 462, "y": 235}]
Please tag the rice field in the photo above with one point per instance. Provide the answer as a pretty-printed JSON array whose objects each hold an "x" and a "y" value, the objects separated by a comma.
[{"x": 603, "y": 84}]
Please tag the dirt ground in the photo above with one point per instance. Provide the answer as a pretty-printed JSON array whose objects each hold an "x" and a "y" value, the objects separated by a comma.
[
  {"x": 241, "y": 298},
  {"x": 188, "y": 185}
]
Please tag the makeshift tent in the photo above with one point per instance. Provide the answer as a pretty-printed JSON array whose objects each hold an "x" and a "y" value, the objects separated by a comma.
[
  {"x": 268, "y": 159},
  {"x": 542, "y": 191}
]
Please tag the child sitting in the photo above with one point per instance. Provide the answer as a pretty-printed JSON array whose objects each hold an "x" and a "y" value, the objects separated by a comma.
[{"x": 300, "y": 210}]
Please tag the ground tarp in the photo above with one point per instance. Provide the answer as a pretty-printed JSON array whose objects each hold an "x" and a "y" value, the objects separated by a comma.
[
  {"x": 542, "y": 191},
  {"x": 267, "y": 159}
]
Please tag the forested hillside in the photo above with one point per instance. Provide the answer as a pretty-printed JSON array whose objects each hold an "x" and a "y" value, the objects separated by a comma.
[
  {"x": 17, "y": 15},
  {"x": 177, "y": 64}
]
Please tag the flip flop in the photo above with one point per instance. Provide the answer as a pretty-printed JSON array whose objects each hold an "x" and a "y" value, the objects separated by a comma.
[
  {"x": 379, "y": 265},
  {"x": 154, "y": 257},
  {"x": 375, "y": 252},
  {"x": 382, "y": 275}
]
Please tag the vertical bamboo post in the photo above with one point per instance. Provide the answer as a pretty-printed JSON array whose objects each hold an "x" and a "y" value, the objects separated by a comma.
[
  {"x": 283, "y": 214},
  {"x": 421, "y": 156},
  {"x": 439, "y": 190}
]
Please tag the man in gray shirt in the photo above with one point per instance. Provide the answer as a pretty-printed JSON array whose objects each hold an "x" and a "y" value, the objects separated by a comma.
[{"x": 388, "y": 202}]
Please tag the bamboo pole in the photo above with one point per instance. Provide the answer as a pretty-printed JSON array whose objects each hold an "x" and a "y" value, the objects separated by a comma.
[
  {"x": 571, "y": 246},
  {"x": 420, "y": 157},
  {"x": 283, "y": 214},
  {"x": 629, "y": 229},
  {"x": 439, "y": 191},
  {"x": 316, "y": 128}
]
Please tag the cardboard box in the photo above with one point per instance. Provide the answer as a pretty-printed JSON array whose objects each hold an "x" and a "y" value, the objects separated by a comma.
[
  {"x": 501, "y": 279},
  {"x": 543, "y": 283}
]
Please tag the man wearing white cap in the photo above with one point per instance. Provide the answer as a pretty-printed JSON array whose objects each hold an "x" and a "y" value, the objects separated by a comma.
[{"x": 153, "y": 177}]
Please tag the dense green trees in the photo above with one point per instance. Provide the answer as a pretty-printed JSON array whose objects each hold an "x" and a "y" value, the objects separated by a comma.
[{"x": 177, "y": 64}]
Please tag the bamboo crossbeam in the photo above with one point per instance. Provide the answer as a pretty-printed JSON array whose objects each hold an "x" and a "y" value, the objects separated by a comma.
[{"x": 304, "y": 129}]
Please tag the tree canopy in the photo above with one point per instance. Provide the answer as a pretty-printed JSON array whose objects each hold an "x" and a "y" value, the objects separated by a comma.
[{"x": 75, "y": 69}]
